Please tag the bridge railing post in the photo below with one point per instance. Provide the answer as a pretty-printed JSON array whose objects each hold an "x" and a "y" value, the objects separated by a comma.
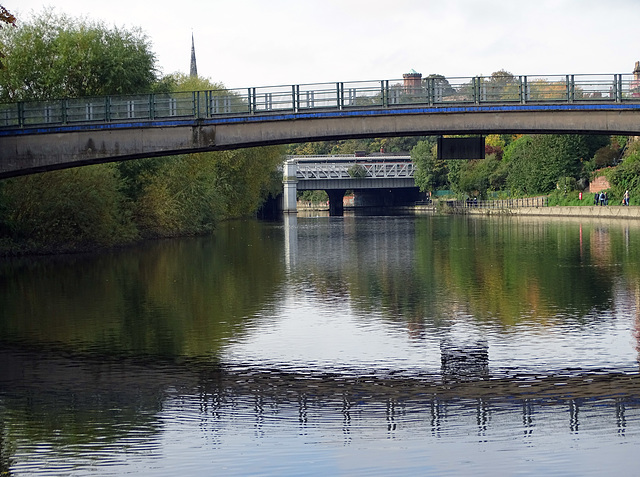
[
  {"x": 107, "y": 108},
  {"x": 253, "y": 102},
  {"x": 571, "y": 88},
  {"x": 64, "y": 104},
  {"x": 617, "y": 87},
  {"x": 476, "y": 90},
  {"x": 620, "y": 86},
  {"x": 152, "y": 106},
  {"x": 430, "y": 91},
  {"x": 197, "y": 105},
  {"x": 525, "y": 91},
  {"x": 21, "y": 114},
  {"x": 295, "y": 98},
  {"x": 384, "y": 93}
]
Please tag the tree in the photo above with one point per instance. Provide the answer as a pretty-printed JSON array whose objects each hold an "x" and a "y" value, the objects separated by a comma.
[
  {"x": 68, "y": 209},
  {"x": 189, "y": 194},
  {"x": 502, "y": 86},
  {"x": 441, "y": 86},
  {"x": 55, "y": 56},
  {"x": 477, "y": 177},
  {"x": 430, "y": 172},
  {"x": 626, "y": 176},
  {"x": 536, "y": 163}
]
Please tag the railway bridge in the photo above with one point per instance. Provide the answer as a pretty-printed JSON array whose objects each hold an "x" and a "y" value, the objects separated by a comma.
[{"x": 381, "y": 179}]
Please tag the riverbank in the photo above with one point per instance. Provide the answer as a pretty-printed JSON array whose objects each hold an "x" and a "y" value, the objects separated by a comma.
[{"x": 606, "y": 212}]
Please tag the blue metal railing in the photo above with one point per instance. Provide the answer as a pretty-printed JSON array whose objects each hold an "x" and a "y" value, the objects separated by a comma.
[{"x": 430, "y": 91}]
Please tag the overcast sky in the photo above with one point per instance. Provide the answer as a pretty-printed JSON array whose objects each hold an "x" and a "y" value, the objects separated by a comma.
[{"x": 245, "y": 43}]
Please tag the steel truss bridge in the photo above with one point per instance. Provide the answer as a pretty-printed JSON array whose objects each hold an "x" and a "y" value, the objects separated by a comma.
[
  {"x": 337, "y": 173},
  {"x": 314, "y": 169},
  {"x": 53, "y": 134}
]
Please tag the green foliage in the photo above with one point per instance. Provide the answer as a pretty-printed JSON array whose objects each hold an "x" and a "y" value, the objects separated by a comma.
[
  {"x": 632, "y": 149},
  {"x": 357, "y": 171},
  {"x": 626, "y": 177},
  {"x": 68, "y": 209},
  {"x": 567, "y": 184},
  {"x": 501, "y": 85},
  {"x": 393, "y": 145},
  {"x": 476, "y": 178},
  {"x": 247, "y": 177},
  {"x": 185, "y": 195},
  {"x": 536, "y": 163},
  {"x": 570, "y": 198},
  {"x": 309, "y": 148},
  {"x": 180, "y": 197},
  {"x": 184, "y": 82},
  {"x": 430, "y": 173},
  {"x": 313, "y": 196},
  {"x": 55, "y": 56}
]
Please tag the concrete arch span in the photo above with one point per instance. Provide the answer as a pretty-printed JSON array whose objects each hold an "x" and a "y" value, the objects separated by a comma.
[{"x": 28, "y": 150}]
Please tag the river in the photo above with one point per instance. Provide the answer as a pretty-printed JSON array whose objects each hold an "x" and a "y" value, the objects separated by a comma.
[{"x": 380, "y": 345}]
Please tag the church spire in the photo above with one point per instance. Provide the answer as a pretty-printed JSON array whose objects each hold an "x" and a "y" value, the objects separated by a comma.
[{"x": 193, "y": 72}]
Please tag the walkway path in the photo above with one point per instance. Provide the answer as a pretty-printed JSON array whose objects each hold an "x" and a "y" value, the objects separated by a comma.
[{"x": 610, "y": 212}]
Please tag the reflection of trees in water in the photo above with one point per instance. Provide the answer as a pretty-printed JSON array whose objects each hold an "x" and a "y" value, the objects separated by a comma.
[
  {"x": 6, "y": 448},
  {"x": 428, "y": 269},
  {"x": 62, "y": 399},
  {"x": 164, "y": 298}
]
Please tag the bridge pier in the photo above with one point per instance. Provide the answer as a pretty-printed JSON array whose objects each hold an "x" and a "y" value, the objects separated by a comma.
[
  {"x": 290, "y": 182},
  {"x": 336, "y": 207}
]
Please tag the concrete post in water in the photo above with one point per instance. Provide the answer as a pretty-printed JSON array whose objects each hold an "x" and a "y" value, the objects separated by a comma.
[
  {"x": 290, "y": 182},
  {"x": 336, "y": 207}
]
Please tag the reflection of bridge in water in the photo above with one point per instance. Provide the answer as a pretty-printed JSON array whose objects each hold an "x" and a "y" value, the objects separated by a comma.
[{"x": 595, "y": 400}]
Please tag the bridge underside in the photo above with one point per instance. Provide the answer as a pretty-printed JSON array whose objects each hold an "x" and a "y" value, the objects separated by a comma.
[
  {"x": 368, "y": 192},
  {"x": 356, "y": 184},
  {"x": 31, "y": 150}
]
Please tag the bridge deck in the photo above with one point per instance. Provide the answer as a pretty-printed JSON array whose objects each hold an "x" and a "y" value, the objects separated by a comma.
[{"x": 37, "y": 136}]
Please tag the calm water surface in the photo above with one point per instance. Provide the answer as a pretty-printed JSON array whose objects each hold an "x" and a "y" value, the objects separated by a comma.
[{"x": 329, "y": 346}]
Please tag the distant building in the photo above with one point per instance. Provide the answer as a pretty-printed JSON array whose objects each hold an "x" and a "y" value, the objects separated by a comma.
[
  {"x": 412, "y": 82},
  {"x": 193, "y": 71}
]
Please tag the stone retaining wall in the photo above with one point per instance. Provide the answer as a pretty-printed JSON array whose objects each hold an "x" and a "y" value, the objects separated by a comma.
[{"x": 610, "y": 211}]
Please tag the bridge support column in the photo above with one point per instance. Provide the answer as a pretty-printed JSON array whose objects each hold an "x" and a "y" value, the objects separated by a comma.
[
  {"x": 290, "y": 182},
  {"x": 336, "y": 207}
]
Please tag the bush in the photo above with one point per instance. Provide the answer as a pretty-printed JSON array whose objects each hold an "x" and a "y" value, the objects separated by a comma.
[
  {"x": 558, "y": 197},
  {"x": 67, "y": 209}
]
